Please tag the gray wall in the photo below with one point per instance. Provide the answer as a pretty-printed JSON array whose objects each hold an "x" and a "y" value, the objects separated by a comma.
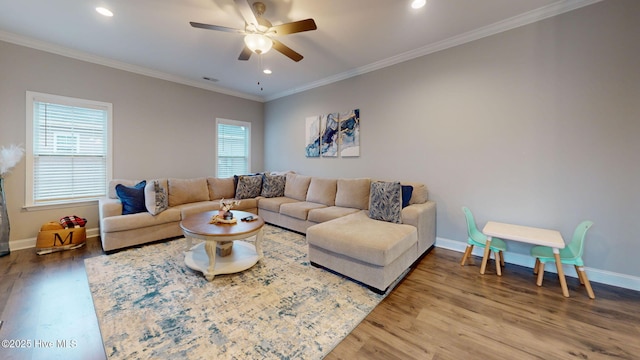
[
  {"x": 160, "y": 128},
  {"x": 537, "y": 126}
]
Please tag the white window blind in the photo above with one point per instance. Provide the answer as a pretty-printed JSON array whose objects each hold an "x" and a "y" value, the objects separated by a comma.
[
  {"x": 69, "y": 153},
  {"x": 233, "y": 138}
]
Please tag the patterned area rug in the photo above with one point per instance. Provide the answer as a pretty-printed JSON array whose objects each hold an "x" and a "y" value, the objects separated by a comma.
[{"x": 151, "y": 306}]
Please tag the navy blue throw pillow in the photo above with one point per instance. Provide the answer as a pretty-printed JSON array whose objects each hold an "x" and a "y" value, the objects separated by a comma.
[
  {"x": 132, "y": 198},
  {"x": 407, "y": 191}
]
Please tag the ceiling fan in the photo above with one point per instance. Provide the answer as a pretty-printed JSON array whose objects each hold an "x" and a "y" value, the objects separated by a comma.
[{"x": 259, "y": 32}]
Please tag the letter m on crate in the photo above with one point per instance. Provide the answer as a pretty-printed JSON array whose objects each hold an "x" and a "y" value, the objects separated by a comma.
[{"x": 56, "y": 240}]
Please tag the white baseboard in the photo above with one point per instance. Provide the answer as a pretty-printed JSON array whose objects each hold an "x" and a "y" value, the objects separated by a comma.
[
  {"x": 31, "y": 242},
  {"x": 595, "y": 275}
]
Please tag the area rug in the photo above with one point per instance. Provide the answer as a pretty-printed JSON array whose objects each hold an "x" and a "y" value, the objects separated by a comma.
[{"x": 151, "y": 306}]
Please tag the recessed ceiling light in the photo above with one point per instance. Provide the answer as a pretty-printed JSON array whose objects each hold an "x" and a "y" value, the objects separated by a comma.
[
  {"x": 417, "y": 4},
  {"x": 267, "y": 71},
  {"x": 104, "y": 11}
]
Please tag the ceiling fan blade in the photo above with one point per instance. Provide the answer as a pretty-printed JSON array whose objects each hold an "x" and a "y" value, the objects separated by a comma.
[
  {"x": 294, "y": 27},
  {"x": 215, "y": 27},
  {"x": 286, "y": 51},
  {"x": 245, "y": 54},
  {"x": 247, "y": 13}
]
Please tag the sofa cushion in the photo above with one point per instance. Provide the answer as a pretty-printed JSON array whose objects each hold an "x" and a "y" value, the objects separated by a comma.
[
  {"x": 132, "y": 198},
  {"x": 247, "y": 204},
  {"x": 273, "y": 204},
  {"x": 420, "y": 193},
  {"x": 329, "y": 213},
  {"x": 364, "y": 239},
  {"x": 299, "y": 210},
  {"x": 183, "y": 191},
  {"x": 197, "y": 207},
  {"x": 139, "y": 220},
  {"x": 155, "y": 197},
  {"x": 221, "y": 188},
  {"x": 296, "y": 186},
  {"x": 353, "y": 193},
  {"x": 322, "y": 191},
  {"x": 273, "y": 185},
  {"x": 249, "y": 186},
  {"x": 386, "y": 201}
]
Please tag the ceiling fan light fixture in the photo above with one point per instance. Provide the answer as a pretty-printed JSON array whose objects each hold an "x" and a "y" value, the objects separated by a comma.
[
  {"x": 258, "y": 43},
  {"x": 104, "y": 11},
  {"x": 417, "y": 4}
]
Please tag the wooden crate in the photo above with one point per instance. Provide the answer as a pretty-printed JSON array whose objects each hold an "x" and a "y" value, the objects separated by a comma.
[{"x": 57, "y": 240}]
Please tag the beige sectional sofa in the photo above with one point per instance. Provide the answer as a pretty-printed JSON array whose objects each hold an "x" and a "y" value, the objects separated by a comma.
[
  {"x": 333, "y": 213},
  {"x": 185, "y": 196}
]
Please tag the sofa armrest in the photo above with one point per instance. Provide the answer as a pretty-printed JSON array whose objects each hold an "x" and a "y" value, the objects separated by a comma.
[
  {"x": 423, "y": 217},
  {"x": 108, "y": 207}
]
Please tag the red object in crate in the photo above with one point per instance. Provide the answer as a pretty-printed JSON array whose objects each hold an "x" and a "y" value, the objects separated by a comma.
[{"x": 68, "y": 233}]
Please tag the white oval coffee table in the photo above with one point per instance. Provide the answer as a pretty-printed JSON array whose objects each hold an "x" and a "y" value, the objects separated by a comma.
[{"x": 203, "y": 257}]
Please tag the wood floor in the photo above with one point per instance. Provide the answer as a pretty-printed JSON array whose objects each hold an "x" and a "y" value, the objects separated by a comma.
[{"x": 440, "y": 311}]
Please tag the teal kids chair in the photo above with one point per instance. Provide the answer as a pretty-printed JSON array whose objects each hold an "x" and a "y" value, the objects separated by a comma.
[
  {"x": 476, "y": 238},
  {"x": 571, "y": 255}
]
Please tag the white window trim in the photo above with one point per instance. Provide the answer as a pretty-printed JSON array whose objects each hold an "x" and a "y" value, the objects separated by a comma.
[
  {"x": 64, "y": 100},
  {"x": 235, "y": 123}
]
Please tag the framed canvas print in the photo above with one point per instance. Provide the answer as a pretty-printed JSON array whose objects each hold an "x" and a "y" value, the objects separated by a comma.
[
  {"x": 329, "y": 132},
  {"x": 312, "y": 136},
  {"x": 350, "y": 133}
]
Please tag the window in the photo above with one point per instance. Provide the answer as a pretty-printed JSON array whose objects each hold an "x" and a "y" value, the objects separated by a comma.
[
  {"x": 234, "y": 138},
  {"x": 68, "y": 149}
]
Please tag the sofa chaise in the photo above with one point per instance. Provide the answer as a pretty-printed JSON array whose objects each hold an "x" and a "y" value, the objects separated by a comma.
[{"x": 343, "y": 237}]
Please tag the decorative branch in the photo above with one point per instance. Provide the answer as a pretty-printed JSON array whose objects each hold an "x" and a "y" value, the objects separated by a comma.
[
  {"x": 10, "y": 157},
  {"x": 226, "y": 205}
]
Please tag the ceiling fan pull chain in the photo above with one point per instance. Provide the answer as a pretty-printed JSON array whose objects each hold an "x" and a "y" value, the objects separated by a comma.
[{"x": 260, "y": 70}]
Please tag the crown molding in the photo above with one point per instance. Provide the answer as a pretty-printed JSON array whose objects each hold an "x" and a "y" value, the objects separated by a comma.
[
  {"x": 527, "y": 18},
  {"x": 530, "y": 17},
  {"x": 79, "y": 55}
]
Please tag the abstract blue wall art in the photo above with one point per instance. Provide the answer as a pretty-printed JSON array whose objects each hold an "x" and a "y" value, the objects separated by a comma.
[
  {"x": 350, "y": 133},
  {"x": 329, "y": 135},
  {"x": 312, "y": 136}
]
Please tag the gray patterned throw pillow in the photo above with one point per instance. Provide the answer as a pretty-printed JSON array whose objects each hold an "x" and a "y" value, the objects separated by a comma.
[
  {"x": 385, "y": 201},
  {"x": 155, "y": 198},
  {"x": 249, "y": 186},
  {"x": 273, "y": 185}
]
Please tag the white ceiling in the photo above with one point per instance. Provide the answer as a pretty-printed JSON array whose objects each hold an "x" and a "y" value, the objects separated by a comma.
[{"x": 153, "y": 37}]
